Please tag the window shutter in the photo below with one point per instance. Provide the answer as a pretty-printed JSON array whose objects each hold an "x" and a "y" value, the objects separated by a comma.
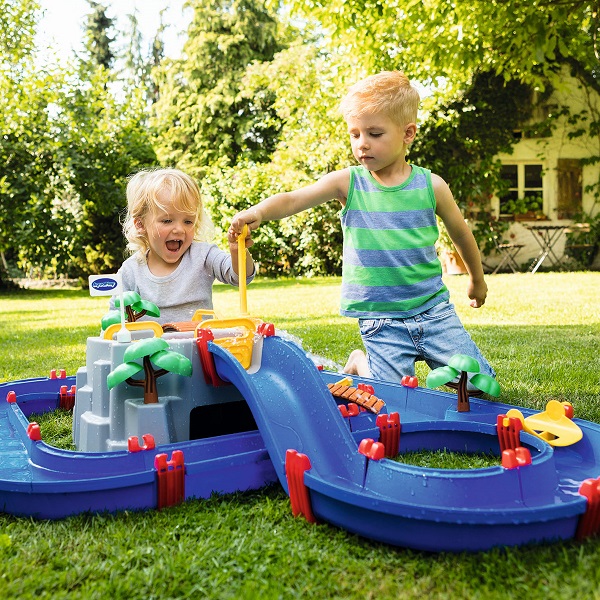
[{"x": 569, "y": 187}]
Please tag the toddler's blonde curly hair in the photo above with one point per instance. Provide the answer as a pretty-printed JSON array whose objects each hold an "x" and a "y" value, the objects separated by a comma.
[{"x": 142, "y": 200}]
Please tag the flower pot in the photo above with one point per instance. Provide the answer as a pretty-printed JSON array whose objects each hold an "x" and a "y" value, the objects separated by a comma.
[{"x": 452, "y": 263}]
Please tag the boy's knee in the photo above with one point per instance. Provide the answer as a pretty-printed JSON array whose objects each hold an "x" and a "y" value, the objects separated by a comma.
[{"x": 357, "y": 364}]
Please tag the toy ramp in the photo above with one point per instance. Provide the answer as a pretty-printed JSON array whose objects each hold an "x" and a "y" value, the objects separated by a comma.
[
  {"x": 426, "y": 509},
  {"x": 293, "y": 409}
]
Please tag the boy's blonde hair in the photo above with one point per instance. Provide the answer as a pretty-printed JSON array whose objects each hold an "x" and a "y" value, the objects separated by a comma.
[
  {"x": 388, "y": 92},
  {"x": 142, "y": 200}
]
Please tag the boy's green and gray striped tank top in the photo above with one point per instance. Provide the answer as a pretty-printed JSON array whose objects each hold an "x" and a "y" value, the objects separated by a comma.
[{"x": 390, "y": 265}]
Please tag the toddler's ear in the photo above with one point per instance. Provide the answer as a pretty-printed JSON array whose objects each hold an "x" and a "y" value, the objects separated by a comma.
[{"x": 139, "y": 225}]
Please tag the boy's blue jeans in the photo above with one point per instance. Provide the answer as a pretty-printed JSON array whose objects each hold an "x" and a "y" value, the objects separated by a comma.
[{"x": 394, "y": 345}]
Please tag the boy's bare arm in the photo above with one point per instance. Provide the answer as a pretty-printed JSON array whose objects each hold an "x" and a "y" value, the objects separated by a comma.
[
  {"x": 463, "y": 240},
  {"x": 332, "y": 186}
]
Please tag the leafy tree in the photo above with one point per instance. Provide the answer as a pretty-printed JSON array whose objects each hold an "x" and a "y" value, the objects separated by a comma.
[
  {"x": 462, "y": 136},
  {"x": 102, "y": 140},
  {"x": 138, "y": 64},
  {"x": 312, "y": 140},
  {"x": 157, "y": 55},
  {"x": 135, "y": 308},
  {"x": 200, "y": 118},
  {"x": 460, "y": 365},
  {"x": 29, "y": 217},
  {"x": 518, "y": 39},
  {"x": 17, "y": 30},
  {"x": 70, "y": 139}
]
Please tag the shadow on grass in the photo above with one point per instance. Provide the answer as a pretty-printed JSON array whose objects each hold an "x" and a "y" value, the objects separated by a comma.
[
  {"x": 49, "y": 294},
  {"x": 264, "y": 283}
]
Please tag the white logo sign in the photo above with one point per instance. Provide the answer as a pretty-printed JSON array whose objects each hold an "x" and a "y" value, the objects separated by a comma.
[{"x": 105, "y": 285}]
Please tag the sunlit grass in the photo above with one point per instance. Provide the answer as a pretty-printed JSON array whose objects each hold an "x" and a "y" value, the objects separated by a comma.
[
  {"x": 541, "y": 333},
  {"x": 445, "y": 459}
]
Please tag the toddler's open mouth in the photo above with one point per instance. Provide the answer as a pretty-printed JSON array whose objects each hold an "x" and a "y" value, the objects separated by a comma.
[{"x": 173, "y": 245}]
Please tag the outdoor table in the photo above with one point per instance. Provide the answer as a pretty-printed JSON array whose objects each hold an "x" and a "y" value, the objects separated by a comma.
[{"x": 546, "y": 236}]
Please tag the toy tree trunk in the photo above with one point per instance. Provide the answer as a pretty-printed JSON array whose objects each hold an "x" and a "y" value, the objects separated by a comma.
[
  {"x": 133, "y": 316},
  {"x": 149, "y": 381},
  {"x": 463, "y": 393},
  {"x": 150, "y": 391}
]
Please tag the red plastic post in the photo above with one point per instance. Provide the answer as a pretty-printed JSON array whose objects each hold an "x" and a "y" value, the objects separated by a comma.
[
  {"x": 33, "y": 432},
  {"x": 11, "y": 397},
  {"x": 353, "y": 409},
  {"x": 389, "y": 433},
  {"x": 569, "y": 412},
  {"x": 170, "y": 476},
  {"x": 63, "y": 374},
  {"x": 67, "y": 397},
  {"x": 53, "y": 374},
  {"x": 266, "y": 329},
  {"x": 133, "y": 443},
  {"x": 508, "y": 430},
  {"x": 589, "y": 521},
  {"x": 409, "y": 381},
  {"x": 343, "y": 410},
  {"x": 295, "y": 466},
  {"x": 371, "y": 449},
  {"x": 519, "y": 457},
  {"x": 365, "y": 387}
]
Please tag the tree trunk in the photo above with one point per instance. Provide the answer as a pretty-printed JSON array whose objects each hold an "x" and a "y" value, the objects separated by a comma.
[
  {"x": 150, "y": 391},
  {"x": 463, "y": 393}
]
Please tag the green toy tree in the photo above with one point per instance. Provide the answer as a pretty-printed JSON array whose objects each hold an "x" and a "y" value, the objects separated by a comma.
[
  {"x": 151, "y": 351},
  {"x": 135, "y": 308},
  {"x": 461, "y": 364}
]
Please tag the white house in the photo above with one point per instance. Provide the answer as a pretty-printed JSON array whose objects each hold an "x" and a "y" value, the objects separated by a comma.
[{"x": 549, "y": 169}]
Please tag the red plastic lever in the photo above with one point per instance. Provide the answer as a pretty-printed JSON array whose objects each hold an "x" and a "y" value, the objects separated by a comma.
[
  {"x": 519, "y": 457},
  {"x": 33, "y": 432},
  {"x": 371, "y": 449},
  {"x": 133, "y": 443}
]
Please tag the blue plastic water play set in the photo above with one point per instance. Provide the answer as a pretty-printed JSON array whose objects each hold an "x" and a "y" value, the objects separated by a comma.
[{"x": 222, "y": 405}]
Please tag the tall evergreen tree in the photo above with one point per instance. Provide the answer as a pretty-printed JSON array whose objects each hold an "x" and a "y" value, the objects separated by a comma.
[{"x": 97, "y": 36}]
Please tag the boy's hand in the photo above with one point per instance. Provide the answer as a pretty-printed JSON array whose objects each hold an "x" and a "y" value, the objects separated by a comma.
[
  {"x": 232, "y": 238},
  {"x": 477, "y": 291},
  {"x": 250, "y": 217}
]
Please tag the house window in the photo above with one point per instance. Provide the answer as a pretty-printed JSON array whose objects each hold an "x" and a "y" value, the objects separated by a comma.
[{"x": 525, "y": 190}]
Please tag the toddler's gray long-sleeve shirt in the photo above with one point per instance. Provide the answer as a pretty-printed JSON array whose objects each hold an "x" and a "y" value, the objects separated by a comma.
[{"x": 188, "y": 288}]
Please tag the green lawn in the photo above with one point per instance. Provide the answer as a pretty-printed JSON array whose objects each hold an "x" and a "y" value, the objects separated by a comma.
[{"x": 540, "y": 332}]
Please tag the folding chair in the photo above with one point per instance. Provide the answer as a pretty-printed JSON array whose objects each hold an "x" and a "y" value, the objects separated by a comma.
[{"x": 508, "y": 253}]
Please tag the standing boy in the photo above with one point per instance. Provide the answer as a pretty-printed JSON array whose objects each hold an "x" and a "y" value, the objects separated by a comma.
[{"x": 391, "y": 276}]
